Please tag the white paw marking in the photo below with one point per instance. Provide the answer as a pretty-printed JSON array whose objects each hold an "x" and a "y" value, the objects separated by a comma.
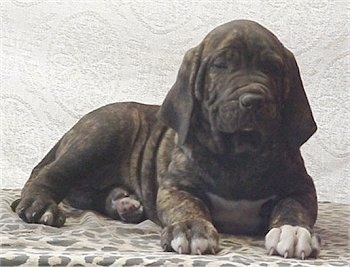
[
  {"x": 47, "y": 218},
  {"x": 180, "y": 244},
  {"x": 196, "y": 246},
  {"x": 201, "y": 245},
  {"x": 291, "y": 241}
]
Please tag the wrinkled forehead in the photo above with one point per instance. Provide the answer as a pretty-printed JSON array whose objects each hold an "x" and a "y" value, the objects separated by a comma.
[{"x": 243, "y": 35}]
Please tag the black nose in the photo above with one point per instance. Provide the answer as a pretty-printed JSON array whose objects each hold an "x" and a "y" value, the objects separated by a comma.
[{"x": 252, "y": 101}]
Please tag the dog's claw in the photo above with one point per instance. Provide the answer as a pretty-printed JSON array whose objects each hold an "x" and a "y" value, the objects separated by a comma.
[
  {"x": 271, "y": 252},
  {"x": 213, "y": 251},
  {"x": 285, "y": 255},
  {"x": 303, "y": 255},
  {"x": 180, "y": 249},
  {"x": 199, "y": 251}
]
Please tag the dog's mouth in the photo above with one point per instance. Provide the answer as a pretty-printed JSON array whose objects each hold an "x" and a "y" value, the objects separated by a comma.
[{"x": 246, "y": 141}]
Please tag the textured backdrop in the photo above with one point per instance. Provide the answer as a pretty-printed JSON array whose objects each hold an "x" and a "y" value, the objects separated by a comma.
[{"x": 62, "y": 59}]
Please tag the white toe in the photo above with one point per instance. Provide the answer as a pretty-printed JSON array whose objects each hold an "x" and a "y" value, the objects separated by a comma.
[
  {"x": 287, "y": 240},
  {"x": 47, "y": 218},
  {"x": 271, "y": 240},
  {"x": 303, "y": 246},
  {"x": 180, "y": 244}
]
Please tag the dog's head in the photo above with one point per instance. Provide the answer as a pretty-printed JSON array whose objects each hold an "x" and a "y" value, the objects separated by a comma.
[{"x": 240, "y": 84}]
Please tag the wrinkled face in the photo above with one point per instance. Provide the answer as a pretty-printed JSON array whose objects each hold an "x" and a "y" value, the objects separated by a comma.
[
  {"x": 243, "y": 89},
  {"x": 239, "y": 91}
]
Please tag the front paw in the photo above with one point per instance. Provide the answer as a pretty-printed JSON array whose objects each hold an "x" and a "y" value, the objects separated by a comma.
[
  {"x": 39, "y": 209},
  {"x": 190, "y": 237},
  {"x": 292, "y": 241}
]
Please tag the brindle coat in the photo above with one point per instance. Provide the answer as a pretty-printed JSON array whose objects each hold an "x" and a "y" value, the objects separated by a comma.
[{"x": 223, "y": 154}]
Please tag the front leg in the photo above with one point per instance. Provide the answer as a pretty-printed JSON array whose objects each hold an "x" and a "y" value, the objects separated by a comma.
[
  {"x": 291, "y": 223},
  {"x": 186, "y": 221}
]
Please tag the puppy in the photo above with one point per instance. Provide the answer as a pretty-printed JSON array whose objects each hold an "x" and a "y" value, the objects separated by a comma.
[{"x": 221, "y": 154}]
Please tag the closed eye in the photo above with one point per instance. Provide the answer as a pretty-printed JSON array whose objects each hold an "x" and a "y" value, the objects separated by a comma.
[
  {"x": 227, "y": 58},
  {"x": 272, "y": 64},
  {"x": 219, "y": 63},
  {"x": 273, "y": 67}
]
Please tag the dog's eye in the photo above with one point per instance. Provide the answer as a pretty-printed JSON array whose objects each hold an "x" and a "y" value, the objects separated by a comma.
[
  {"x": 271, "y": 63},
  {"x": 219, "y": 64},
  {"x": 273, "y": 66}
]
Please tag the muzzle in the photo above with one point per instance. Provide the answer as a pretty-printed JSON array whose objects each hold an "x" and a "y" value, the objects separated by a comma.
[{"x": 243, "y": 117}]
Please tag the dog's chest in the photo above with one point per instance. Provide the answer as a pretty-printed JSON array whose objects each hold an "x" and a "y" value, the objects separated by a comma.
[{"x": 240, "y": 216}]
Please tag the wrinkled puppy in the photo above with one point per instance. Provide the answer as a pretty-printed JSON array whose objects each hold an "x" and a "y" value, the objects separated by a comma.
[{"x": 220, "y": 155}]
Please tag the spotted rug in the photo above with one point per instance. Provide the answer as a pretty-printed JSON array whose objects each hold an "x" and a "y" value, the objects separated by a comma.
[{"x": 90, "y": 239}]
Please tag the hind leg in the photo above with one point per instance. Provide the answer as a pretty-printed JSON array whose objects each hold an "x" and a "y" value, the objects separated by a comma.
[
  {"x": 81, "y": 157},
  {"x": 123, "y": 205}
]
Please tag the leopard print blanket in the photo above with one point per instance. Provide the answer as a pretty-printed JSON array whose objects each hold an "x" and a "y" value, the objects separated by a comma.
[{"x": 89, "y": 239}]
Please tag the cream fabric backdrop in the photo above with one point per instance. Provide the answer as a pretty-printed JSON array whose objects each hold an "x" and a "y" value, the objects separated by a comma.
[{"x": 61, "y": 59}]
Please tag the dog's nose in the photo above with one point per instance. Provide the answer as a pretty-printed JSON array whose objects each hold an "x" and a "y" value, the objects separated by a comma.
[{"x": 252, "y": 101}]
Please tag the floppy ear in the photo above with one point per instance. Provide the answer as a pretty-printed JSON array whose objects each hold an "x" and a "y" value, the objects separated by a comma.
[
  {"x": 177, "y": 108},
  {"x": 298, "y": 122}
]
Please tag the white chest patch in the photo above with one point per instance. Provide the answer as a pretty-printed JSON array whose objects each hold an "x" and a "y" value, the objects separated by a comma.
[{"x": 235, "y": 217}]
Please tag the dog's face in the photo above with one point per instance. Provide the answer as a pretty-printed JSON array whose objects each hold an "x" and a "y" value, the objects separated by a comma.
[
  {"x": 243, "y": 76},
  {"x": 244, "y": 87}
]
